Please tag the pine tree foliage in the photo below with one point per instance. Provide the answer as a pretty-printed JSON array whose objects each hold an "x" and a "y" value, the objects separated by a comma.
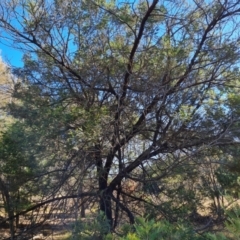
[{"x": 129, "y": 99}]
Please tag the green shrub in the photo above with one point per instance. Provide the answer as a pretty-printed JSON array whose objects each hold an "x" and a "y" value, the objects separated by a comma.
[
  {"x": 145, "y": 229},
  {"x": 90, "y": 229},
  {"x": 152, "y": 230},
  {"x": 233, "y": 222}
]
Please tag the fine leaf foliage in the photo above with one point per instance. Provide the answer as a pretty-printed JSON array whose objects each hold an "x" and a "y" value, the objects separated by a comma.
[{"x": 132, "y": 103}]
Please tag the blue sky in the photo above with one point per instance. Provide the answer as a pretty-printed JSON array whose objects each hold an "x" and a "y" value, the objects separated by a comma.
[{"x": 11, "y": 55}]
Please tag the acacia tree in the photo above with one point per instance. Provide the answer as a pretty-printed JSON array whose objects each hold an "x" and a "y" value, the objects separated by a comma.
[{"x": 117, "y": 87}]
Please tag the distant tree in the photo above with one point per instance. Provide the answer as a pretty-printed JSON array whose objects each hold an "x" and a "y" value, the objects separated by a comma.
[{"x": 7, "y": 82}]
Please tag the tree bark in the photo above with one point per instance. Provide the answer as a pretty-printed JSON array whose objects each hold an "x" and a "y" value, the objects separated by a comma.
[
  {"x": 105, "y": 203},
  {"x": 9, "y": 207}
]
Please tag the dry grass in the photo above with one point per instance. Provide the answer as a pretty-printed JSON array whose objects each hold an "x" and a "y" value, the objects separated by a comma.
[{"x": 62, "y": 236}]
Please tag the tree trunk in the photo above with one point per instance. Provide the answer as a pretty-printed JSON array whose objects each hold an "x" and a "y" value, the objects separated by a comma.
[
  {"x": 16, "y": 208},
  {"x": 8, "y": 206},
  {"x": 106, "y": 207},
  {"x": 105, "y": 204},
  {"x": 82, "y": 211},
  {"x": 11, "y": 223}
]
